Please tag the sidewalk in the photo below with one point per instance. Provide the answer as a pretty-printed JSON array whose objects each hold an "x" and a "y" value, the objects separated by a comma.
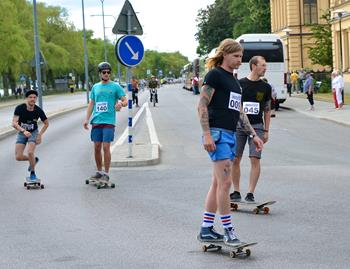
[
  {"x": 323, "y": 110},
  {"x": 7, "y": 108}
]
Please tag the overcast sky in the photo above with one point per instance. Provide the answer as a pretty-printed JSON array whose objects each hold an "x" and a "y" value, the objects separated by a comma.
[{"x": 168, "y": 25}]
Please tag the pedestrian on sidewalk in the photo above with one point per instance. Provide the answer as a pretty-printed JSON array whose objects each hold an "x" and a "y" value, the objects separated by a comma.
[
  {"x": 219, "y": 111},
  {"x": 256, "y": 101},
  {"x": 25, "y": 121},
  {"x": 308, "y": 88},
  {"x": 289, "y": 83},
  {"x": 336, "y": 89},
  {"x": 294, "y": 81},
  {"x": 106, "y": 97}
]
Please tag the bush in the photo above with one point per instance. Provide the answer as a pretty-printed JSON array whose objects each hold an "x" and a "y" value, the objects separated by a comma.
[{"x": 326, "y": 85}]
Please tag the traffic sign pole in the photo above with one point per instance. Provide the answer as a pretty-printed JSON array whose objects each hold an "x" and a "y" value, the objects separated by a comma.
[
  {"x": 130, "y": 129},
  {"x": 129, "y": 51}
]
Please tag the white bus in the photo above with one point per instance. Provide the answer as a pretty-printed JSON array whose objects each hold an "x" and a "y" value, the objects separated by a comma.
[{"x": 270, "y": 46}]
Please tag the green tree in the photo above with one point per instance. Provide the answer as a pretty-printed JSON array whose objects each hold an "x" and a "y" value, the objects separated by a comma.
[
  {"x": 12, "y": 36},
  {"x": 214, "y": 24},
  {"x": 168, "y": 62},
  {"x": 321, "y": 52},
  {"x": 251, "y": 16}
]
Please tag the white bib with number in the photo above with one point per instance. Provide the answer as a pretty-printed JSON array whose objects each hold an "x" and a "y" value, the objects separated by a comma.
[
  {"x": 101, "y": 107},
  {"x": 252, "y": 108},
  {"x": 235, "y": 101}
]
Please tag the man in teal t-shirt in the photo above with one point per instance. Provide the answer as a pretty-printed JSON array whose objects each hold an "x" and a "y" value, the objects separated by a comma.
[{"x": 106, "y": 98}]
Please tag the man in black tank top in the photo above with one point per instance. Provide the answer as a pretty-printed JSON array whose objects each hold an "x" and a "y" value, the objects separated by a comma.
[
  {"x": 256, "y": 102},
  {"x": 219, "y": 111}
]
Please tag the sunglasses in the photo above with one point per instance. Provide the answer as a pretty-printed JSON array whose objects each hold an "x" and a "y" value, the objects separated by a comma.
[{"x": 106, "y": 72}]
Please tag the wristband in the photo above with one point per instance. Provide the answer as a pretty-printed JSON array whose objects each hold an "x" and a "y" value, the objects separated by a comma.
[{"x": 266, "y": 131}]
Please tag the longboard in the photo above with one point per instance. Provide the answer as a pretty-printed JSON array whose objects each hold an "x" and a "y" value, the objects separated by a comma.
[
  {"x": 240, "y": 250},
  {"x": 30, "y": 184},
  {"x": 257, "y": 207},
  {"x": 100, "y": 183}
]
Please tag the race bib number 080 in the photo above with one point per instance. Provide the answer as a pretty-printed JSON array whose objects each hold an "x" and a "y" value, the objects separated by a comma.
[
  {"x": 235, "y": 101},
  {"x": 251, "y": 108},
  {"x": 101, "y": 107}
]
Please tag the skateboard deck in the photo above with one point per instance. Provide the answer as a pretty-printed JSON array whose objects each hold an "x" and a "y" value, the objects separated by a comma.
[
  {"x": 30, "y": 184},
  {"x": 100, "y": 183},
  {"x": 240, "y": 250},
  {"x": 257, "y": 207}
]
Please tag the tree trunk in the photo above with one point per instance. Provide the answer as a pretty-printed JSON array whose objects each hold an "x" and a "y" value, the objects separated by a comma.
[{"x": 5, "y": 83}]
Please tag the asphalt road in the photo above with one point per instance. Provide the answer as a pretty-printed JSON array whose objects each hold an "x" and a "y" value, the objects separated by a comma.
[{"x": 152, "y": 218}]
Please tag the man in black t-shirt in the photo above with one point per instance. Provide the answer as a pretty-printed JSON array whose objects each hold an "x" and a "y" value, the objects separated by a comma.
[
  {"x": 25, "y": 121},
  {"x": 219, "y": 111},
  {"x": 256, "y": 103}
]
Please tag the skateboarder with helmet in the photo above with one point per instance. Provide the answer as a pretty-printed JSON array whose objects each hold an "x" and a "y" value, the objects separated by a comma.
[{"x": 106, "y": 97}]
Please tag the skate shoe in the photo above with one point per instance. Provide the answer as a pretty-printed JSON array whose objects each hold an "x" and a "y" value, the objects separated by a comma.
[
  {"x": 230, "y": 238},
  {"x": 235, "y": 196},
  {"x": 208, "y": 234},
  {"x": 104, "y": 179},
  {"x": 36, "y": 161},
  {"x": 97, "y": 176},
  {"x": 250, "y": 198},
  {"x": 33, "y": 177}
]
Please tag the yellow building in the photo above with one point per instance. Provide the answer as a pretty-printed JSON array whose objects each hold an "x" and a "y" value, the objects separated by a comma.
[
  {"x": 341, "y": 36},
  {"x": 291, "y": 20}
]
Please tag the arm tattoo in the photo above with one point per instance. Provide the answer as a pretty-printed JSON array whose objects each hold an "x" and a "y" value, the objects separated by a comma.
[
  {"x": 247, "y": 128},
  {"x": 267, "y": 106},
  {"x": 206, "y": 95}
]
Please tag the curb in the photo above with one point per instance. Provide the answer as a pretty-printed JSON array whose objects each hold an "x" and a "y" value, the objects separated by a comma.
[
  {"x": 136, "y": 160},
  {"x": 7, "y": 131},
  {"x": 318, "y": 117},
  {"x": 144, "y": 154}
]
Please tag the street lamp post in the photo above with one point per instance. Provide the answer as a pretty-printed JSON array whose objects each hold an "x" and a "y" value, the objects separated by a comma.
[
  {"x": 115, "y": 19},
  {"x": 287, "y": 31},
  {"x": 37, "y": 55},
  {"x": 85, "y": 56},
  {"x": 104, "y": 31},
  {"x": 340, "y": 14}
]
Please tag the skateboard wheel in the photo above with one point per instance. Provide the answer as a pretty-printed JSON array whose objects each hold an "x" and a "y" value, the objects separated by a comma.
[
  {"x": 234, "y": 206},
  {"x": 28, "y": 187},
  {"x": 98, "y": 186},
  {"x": 87, "y": 181},
  {"x": 205, "y": 248},
  {"x": 42, "y": 186},
  {"x": 233, "y": 254},
  {"x": 247, "y": 252},
  {"x": 256, "y": 211},
  {"x": 219, "y": 248},
  {"x": 25, "y": 184},
  {"x": 112, "y": 185},
  {"x": 266, "y": 210}
]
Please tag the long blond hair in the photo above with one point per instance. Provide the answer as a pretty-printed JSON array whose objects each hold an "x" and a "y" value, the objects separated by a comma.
[{"x": 227, "y": 45}]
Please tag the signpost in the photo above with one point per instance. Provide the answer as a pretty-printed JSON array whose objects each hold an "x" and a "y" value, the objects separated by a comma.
[{"x": 129, "y": 51}]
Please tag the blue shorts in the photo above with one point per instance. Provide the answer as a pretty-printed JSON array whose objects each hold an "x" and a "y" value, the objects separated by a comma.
[
  {"x": 102, "y": 135},
  {"x": 225, "y": 142},
  {"x": 22, "y": 139}
]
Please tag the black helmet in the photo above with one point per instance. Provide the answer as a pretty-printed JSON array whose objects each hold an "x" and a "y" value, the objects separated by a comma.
[{"x": 104, "y": 66}]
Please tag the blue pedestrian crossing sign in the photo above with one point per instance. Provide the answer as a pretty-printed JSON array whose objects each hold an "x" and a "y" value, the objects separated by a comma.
[{"x": 129, "y": 50}]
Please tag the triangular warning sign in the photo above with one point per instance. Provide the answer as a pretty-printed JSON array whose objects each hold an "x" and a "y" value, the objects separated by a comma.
[{"x": 121, "y": 26}]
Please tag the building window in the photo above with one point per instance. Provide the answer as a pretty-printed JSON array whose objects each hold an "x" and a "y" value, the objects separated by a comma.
[{"x": 310, "y": 11}]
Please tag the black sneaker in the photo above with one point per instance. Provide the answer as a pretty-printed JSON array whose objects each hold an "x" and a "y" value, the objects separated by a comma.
[
  {"x": 250, "y": 198},
  {"x": 208, "y": 234},
  {"x": 235, "y": 196}
]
